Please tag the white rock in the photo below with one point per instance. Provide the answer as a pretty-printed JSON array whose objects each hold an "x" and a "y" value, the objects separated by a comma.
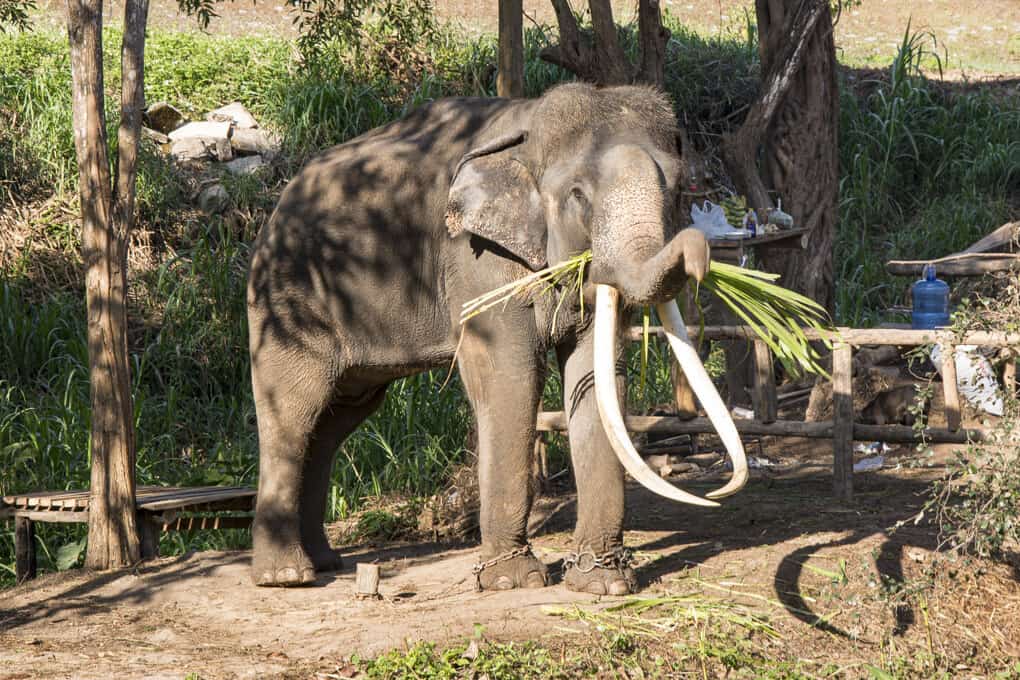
[
  {"x": 191, "y": 149},
  {"x": 247, "y": 140},
  {"x": 214, "y": 135},
  {"x": 202, "y": 129},
  {"x": 213, "y": 199},
  {"x": 245, "y": 165},
  {"x": 234, "y": 113},
  {"x": 163, "y": 117}
]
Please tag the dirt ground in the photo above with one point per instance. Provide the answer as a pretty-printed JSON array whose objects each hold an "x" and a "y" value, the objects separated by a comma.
[
  {"x": 982, "y": 38},
  {"x": 830, "y": 579}
]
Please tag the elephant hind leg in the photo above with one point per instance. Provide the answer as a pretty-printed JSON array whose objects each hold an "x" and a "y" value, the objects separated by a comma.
[{"x": 335, "y": 425}]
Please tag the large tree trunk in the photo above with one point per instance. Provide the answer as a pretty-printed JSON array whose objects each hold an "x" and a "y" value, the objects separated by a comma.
[
  {"x": 510, "y": 76},
  {"x": 599, "y": 58},
  {"x": 113, "y": 532},
  {"x": 801, "y": 159}
]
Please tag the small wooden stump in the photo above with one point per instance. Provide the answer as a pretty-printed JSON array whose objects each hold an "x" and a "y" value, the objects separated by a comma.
[{"x": 366, "y": 585}]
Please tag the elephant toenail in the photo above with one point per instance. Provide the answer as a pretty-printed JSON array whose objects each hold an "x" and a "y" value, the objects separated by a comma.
[
  {"x": 596, "y": 588},
  {"x": 503, "y": 583},
  {"x": 535, "y": 580},
  {"x": 619, "y": 588},
  {"x": 287, "y": 575}
]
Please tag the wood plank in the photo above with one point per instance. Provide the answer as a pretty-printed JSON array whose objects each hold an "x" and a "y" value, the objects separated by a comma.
[
  {"x": 949, "y": 386},
  {"x": 197, "y": 493},
  {"x": 59, "y": 516},
  {"x": 24, "y": 550},
  {"x": 1006, "y": 235},
  {"x": 763, "y": 396},
  {"x": 843, "y": 423},
  {"x": 183, "y": 501}
]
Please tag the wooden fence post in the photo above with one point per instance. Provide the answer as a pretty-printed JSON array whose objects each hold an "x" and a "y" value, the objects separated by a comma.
[
  {"x": 763, "y": 397},
  {"x": 510, "y": 73},
  {"x": 24, "y": 549},
  {"x": 949, "y": 387},
  {"x": 842, "y": 422}
]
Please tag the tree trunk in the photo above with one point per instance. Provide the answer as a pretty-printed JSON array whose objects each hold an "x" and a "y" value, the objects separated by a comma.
[
  {"x": 113, "y": 531},
  {"x": 510, "y": 77},
  {"x": 602, "y": 60},
  {"x": 801, "y": 159}
]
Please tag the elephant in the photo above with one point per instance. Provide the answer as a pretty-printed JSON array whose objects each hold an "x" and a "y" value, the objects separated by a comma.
[{"x": 358, "y": 279}]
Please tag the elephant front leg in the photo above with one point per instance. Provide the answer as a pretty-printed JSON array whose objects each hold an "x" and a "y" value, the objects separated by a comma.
[
  {"x": 503, "y": 381},
  {"x": 598, "y": 564}
]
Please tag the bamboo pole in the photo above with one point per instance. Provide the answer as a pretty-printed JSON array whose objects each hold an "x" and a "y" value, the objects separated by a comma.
[
  {"x": 857, "y": 336},
  {"x": 763, "y": 396},
  {"x": 949, "y": 387},
  {"x": 843, "y": 422}
]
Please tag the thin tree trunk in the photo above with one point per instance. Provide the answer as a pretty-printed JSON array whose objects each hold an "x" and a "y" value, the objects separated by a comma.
[
  {"x": 113, "y": 533},
  {"x": 510, "y": 77},
  {"x": 801, "y": 157},
  {"x": 654, "y": 37}
]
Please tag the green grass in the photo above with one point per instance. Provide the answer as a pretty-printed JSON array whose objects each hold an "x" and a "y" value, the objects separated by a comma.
[{"x": 924, "y": 173}]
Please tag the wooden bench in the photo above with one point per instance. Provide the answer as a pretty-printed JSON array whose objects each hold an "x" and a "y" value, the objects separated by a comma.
[{"x": 160, "y": 509}]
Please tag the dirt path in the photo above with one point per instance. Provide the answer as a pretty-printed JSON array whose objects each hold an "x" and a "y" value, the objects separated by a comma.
[
  {"x": 775, "y": 548},
  {"x": 982, "y": 38}
]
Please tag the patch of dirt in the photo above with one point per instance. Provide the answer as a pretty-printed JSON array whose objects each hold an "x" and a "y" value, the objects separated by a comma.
[
  {"x": 832, "y": 580},
  {"x": 981, "y": 37}
]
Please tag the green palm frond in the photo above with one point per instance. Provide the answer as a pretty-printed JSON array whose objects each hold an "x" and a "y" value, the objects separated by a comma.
[{"x": 776, "y": 314}]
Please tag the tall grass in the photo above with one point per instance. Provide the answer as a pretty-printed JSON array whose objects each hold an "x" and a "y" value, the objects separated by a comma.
[{"x": 924, "y": 172}]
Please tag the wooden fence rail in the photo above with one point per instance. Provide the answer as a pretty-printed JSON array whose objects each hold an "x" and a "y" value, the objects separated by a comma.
[{"x": 841, "y": 429}]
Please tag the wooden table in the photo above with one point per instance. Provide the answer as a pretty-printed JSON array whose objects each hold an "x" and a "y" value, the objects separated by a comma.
[{"x": 160, "y": 509}]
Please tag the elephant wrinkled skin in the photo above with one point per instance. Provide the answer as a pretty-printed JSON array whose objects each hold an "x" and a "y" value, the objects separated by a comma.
[{"x": 359, "y": 277}]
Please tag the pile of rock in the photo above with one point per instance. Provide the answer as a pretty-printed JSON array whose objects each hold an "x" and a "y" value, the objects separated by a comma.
[{"x": 229, "y": 135}]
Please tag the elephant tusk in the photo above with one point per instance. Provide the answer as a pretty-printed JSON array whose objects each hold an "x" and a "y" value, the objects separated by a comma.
[
  {"x": 608, "y": 400},
  {"x": 697, "y": 376}
]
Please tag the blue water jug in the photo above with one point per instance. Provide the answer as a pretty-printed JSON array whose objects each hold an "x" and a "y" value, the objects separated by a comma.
[{"x": 931, "y": 301}]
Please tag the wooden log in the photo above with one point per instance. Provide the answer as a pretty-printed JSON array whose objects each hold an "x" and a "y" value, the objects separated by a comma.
[
  {"x": 555, "y": 421},
  {"x": 961, "y": 264},
  {"x": 763, "y": 396},
  {"x": 366, "y": 584},
  {"x": 1006, "y": 235},
  {"x": 949, "y": 386},
  {"x": 843, "y": 422},
  {"x": 1009, "y": 376},
  {"x": 855, "y": 336},
  {"x": 24, "y": 550}
]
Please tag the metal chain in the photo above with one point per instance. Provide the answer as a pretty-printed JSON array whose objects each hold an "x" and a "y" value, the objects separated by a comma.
[
  {"x": 588, "y": 561},
  {"x": 477, "y": 570}
]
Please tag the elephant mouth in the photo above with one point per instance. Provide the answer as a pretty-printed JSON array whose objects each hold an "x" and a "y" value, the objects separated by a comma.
[{"x": 607, "y": 300}]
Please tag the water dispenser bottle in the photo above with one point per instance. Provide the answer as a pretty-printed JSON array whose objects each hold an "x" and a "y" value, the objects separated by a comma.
[{"x": 931, "y": 301}]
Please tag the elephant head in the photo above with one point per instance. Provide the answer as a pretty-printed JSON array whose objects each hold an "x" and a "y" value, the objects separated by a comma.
[{"x": 587, "y": 168}]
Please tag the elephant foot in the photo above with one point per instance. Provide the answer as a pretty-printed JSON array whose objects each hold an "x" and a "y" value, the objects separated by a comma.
[
  {"x": 283, "y": 568},
  {"x": 605, "y": 574},
  {"x": 326, "y": 559},
  {"x": 516, "y": 569}
]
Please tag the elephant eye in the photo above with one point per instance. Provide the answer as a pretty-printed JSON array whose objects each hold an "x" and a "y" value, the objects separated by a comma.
[{"x": 578, "y": 194}]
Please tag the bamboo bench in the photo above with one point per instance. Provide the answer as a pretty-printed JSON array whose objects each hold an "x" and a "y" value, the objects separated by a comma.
[
  {"x": 159, "y": 509},
  {"x": 841, "y": 429}
]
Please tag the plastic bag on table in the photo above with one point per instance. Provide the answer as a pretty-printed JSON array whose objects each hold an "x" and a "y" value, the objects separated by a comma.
[{"x": 710, "y": 219}]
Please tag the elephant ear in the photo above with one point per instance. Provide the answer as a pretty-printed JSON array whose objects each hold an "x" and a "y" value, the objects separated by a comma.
[{"x": 493, "y": 195}]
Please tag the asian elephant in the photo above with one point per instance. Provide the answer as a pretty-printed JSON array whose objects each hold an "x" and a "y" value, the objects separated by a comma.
[{"x": 359, "y": 277}]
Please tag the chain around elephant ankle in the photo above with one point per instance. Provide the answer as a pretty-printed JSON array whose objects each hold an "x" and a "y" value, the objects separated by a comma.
[
  {"x": 477, "y": 570},
  {"x": 588, "y": 561}
]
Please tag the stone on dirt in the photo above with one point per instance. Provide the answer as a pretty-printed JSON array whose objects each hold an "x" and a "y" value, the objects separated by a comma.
[
  {"x": 213, "y": 199},
  {"x": 213, "y": 134},
  {"x": 250, "y": 140},
  {"x": 163, "y": 117},
  {"x": 245, "y": 165},
  {"x": 234, "y": 113},
  {"x": 155, "y": 135},
  {"x": 191, "y": 149}
]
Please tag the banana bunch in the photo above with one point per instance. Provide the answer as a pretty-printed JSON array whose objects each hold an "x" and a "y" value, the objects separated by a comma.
[{"x": 734, "y": 207}]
